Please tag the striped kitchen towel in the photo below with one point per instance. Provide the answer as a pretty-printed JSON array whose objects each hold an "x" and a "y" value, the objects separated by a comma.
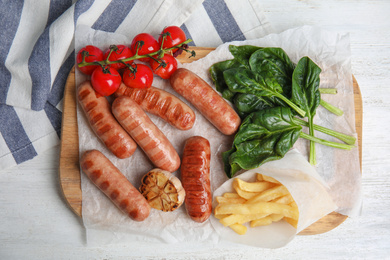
[{"x": 37, "y": 53}]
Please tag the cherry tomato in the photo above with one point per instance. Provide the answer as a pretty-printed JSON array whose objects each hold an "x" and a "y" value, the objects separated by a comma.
[
  {"x": 141, "y": 78},
  {"x": 175, "y": 37},
  {"x": 168, "y": 70},
  {"x": 150, "y": 45},
  {"x": 105, "y": 81},
  {"x": 93, "y": 54},
  {"x": 122, "y": 52}
]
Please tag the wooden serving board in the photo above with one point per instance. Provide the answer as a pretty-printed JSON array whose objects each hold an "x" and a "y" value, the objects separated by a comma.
[{"x": 69, "y": 172}]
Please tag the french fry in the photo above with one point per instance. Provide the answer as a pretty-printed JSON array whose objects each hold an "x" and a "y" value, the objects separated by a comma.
[
  {"x": 239, "y": 228},
  {"x": 270, "y": 194},
  {"x": 231, "y": 195},
  {"x": 259, "y": 177},
  {"x": 230, "y": 200},
  {"x": 263, "y": 177},
  {"x": 257, "y": 208},
  {"x": 221, "y": 216},
  {"x": 266, "y": 220},
  {"x": 243, "y": 194},
  {"x": 291, "y": 221},
  {"x": 261, "y": 222},
  {"x": 257, "y": 203},
  {"x": 240, "y": 219},
  {"x": 286, "y": 199},
  {"x": 259, "y": 186}
]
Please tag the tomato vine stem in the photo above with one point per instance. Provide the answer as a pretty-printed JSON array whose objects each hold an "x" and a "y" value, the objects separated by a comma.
[{"x": 134, "y": 57}]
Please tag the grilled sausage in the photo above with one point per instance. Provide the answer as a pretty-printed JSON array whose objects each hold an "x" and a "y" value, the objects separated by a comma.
[
  {"x": 206, "y": 100},
  {"x": 98, "y": 112},
  {"x": 114, "y": 185},
  {"x": 161, "y": 103},
  {"x": 195, "y": 174},
  {"x": 147, "y": 135}
]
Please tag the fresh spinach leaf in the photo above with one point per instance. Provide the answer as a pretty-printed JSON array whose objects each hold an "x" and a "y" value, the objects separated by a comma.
[
  {"x": 263, "y": 136},
  {"x": 273, "y": 63},
  {"x": 242, "y": 53},
  {"x": 216, "y": 73},
  {"x": 246, "y": 81},
  {"x": 306, "y": 94}
]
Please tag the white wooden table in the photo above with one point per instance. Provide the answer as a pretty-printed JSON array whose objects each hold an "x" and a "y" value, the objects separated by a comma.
[{"x": 35, "y": 222}]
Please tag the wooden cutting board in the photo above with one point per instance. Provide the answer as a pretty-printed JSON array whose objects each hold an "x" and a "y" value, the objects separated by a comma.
[{"x": 69, "y": 172}]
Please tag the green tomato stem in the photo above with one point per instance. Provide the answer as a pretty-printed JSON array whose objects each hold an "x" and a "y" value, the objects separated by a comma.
[{"x": 134, "y": 57}]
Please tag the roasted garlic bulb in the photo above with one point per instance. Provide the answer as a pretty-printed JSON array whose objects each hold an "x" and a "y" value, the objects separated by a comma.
[{"x": 162, "y": 190}]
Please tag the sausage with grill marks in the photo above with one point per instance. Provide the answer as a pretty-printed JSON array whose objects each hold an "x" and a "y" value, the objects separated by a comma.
[
  {"x": 195, "y": 175},
  {"x": 209, "y": 103},
  {"x": 114, "y": 185},
  {"x": 146, "y": 134},
  {"x": 98, "y": 112},
  {"x": 161, "y": 103}
]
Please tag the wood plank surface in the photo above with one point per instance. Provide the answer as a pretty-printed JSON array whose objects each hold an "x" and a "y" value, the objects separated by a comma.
[{"x": 69, "y": 171}]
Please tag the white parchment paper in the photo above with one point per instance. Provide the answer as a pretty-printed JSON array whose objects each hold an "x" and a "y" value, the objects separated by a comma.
[{"x": 339, "y": 169}]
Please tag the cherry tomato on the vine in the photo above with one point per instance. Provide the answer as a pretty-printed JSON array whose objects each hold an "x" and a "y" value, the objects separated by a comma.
[
  {"x": 175, "y": 37},
  {"x": 105, "y": 81},
  {"x": 142, "y": 77},
  {"x": 93, "y": 54},
  {"x": 122, "y": 52},
  {"x": 168, "y": 70},
  {"x": 150, "y": 45}
]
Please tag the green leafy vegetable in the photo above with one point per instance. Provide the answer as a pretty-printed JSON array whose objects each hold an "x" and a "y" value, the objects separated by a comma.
[
  {"x": 267, "y": 90},
  {"x": 245, "y": 81},
  {"x": 273, "y": 63},
  {"x": 216, "y": 73},
  {"x": 305, "y": 93},
  {"x": 263, "y": 136},
  {"x": 242, "y": 53}
]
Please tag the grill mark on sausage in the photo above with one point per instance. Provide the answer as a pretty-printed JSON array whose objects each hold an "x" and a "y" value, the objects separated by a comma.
[
  {"x": 99, "y": 115},
  {"x": 90, "y": 106},
  {"x": 124, "y": 204},
  {"x": 96, "y": 118},
  {"x": 83, "y": 94},
  {"x": 103, "y": 129},
  {"x": 113, "y": 140},
  {"x": 152, "y": 98},
  {"x": 104, "y": 185},
  {"x": 158, "y": 156},
  {"x": 152, "y": 141},
  {"x": 195, "y": 170},
  {"x": 114, "y": 185},
  {"x": 87, "y": 164},
  {"x": 114, "y": 194},
  {"x": 95, "y": 175},
  {"x": 152, "y": 144},
  {"x": 160, "y": 103},
  {"x": 201, "y": 95}
]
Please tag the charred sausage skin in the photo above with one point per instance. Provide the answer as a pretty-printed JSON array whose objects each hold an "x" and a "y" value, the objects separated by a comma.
[
  {"x": 209, "y": 103},
  {"x": 98, "y": 112},
  {"x": 146, "y": 134},
  {"x": 161, "y": 103},
  {"x": 114, "y": 185},
  {"x": 195, "y": 174}
]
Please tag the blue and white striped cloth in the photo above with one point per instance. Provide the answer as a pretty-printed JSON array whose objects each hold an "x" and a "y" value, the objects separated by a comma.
[{"x": 37, "y": 53}]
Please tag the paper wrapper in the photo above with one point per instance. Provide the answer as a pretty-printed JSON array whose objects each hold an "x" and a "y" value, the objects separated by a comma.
[
  {"x": 305, "y": 185},
  {"x": 339, "y": 169}
]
